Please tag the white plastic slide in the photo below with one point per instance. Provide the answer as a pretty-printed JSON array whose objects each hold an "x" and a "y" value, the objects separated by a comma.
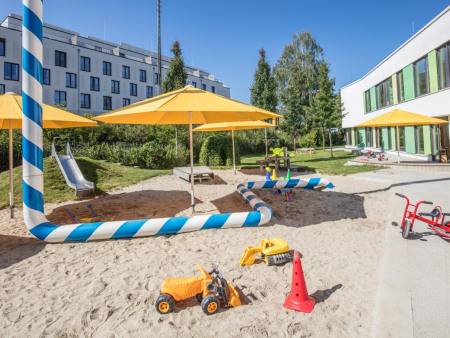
[{"x": 71, "y": 172}]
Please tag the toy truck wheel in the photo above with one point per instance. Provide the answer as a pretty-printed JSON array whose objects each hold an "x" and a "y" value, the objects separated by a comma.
[
  {"x": 406, "y": 228},
  {"x": 164, "y": 304},
  {"x": 210, "y": 304},
  {"x": 199, "y": 297}
]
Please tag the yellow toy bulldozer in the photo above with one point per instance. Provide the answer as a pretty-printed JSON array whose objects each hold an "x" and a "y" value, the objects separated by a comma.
[
  {"x": 208, "y": 290},
  {"x": 275, "y": 251}
]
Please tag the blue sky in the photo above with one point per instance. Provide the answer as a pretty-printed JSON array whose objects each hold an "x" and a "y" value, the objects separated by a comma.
[{"x": 223, "y": 37}]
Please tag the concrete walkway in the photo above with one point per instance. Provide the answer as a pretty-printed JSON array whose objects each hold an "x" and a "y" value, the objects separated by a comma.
[{"x": 413, "y": 298}]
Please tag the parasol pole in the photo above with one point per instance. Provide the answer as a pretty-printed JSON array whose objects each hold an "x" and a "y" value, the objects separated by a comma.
[
  {"x": 191, "y": 151},
  {"x": 234, "y": 160},
  {"x": 11, "y": 199},
  {"x": 267, "y": 152},
  {"x": 398, "y": 146}
]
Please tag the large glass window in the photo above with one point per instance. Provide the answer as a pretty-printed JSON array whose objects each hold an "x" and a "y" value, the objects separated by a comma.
[
  {"x": 126, "y": 102},
  {"x": 85, "y": 101},
  {"x": 149, "y": 91},
  {"x": 419, "y": 139},
  {"x": 95, "y": 84},
  {"x": 421, "y": 77},
  {"x": 2, "y": 89},
  {"x": 46, "y": 76},
  {"x": 378, "y": 137},
  {"x": 401, "y": 138},
  {"x": 60, "y": 58},
  {"x": 369, "y": 142},
  {"x": 107, "y": 103},
  {"x": 213, "y": 89},
  {"x": 142, "y": 75},
  {"x": 194, "y": 84},
  {"x": 11, "y": 71},
  {"x": 389, "y": 92},
  {"x": 71, "y": 80},
  {"x": 203, "y": 86},
  {"x": 106, "y": 68},
  {"x": 60, "y": 98},
  {"x": 400, "y": 87},
  {"x": 389, "y": 138},
  {"x": 133, "y": 89},
  {"x": 368, "y": 106},
  {"x": 2, "y": 47},
  {"x": 379, "y": 92},
  {"x": 85, "y": 64},
  {"x": 155, "y": 78},
  {"x": 443, "y": 63},
  {"x": 125, "y": 72},
  {"x": 115, "y": 87}
]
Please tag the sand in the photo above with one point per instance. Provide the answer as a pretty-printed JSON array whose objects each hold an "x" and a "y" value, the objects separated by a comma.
[{"x": 108, "y": 288}]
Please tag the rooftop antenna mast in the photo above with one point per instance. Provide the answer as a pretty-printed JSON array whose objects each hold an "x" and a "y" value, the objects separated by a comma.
[{"x": 159, "y": 45}]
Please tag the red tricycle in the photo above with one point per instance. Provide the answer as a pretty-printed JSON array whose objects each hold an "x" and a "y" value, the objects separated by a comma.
[{"x": 437, "y": 221}]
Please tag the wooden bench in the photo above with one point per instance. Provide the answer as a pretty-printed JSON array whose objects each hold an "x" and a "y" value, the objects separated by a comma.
[
  {"x": 263, "y": 164},
  {"x": 200, "y": 173},
  {"x": 305, "y": 151}
]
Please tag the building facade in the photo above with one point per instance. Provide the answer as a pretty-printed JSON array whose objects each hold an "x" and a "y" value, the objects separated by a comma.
[
  {"x": 414, "y": 78},
  {"x": 87, "y": 74}
]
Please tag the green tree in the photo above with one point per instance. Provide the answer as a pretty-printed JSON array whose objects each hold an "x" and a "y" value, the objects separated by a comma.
[
  {"x": 175, "y": 78},
  {"x": 296, "y": 75},
  {"x": 263, "y": 90}
]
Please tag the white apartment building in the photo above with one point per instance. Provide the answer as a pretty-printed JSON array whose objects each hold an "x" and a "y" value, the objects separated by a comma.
[
  {"x": 87, "y": 74},
  {"x": 415, "y": 78}
]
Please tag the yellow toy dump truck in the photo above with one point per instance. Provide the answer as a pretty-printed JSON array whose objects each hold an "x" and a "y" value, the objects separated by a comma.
[
  {"x": 208, "y": 290},
  {"x": 275, "y": 251}
]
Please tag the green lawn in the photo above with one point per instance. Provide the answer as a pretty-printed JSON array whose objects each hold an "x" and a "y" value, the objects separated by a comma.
[
  {"x": 106, "y": 176},
  {"x": 319, "y": 162}
]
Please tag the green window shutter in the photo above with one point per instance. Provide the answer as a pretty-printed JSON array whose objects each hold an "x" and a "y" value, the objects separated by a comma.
[
  {"x": 373, "y": 99},
  {"x": 393, "y": 138},
  {"x": 427, "y": 140},
  {"x": 410, "y": 142},
  {"x": 408, "y": 79},
  {"x": 384, "y": 138},
  {"x": 362, "y": 137},
  {"x": 352, "y": 131},
  {"x": 432, "y": 71}
]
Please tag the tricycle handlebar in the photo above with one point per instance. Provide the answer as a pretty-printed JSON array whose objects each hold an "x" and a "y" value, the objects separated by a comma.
[
  {"x": 426, "y": 202},
  {"x": 400, "y": 195}
]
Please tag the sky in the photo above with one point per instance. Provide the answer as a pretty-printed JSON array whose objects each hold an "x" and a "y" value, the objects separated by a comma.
[{"x": 224, "y": 37}]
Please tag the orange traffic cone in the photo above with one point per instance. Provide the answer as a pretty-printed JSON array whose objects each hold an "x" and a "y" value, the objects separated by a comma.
[{"x": 298, "y": 299}]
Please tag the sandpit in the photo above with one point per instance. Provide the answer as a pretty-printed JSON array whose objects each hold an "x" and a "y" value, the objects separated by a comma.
[{"x": 108, "y": 288}]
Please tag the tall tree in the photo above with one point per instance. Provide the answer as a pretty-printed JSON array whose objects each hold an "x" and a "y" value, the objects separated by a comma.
[
  {"x": 263, "y": 89},
  {"x": 296, "y": 75},
  {"x": 175, "y": 77},
  {"x": 327, "y": 107}
]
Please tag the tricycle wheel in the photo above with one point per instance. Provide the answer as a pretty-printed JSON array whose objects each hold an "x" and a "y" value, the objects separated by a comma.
[
  {"x": 199, "y": 297},
  {"x": 164, "y": 304},
  {"x": 210, "y": 304},
  {"x": 406, "y": 228}
]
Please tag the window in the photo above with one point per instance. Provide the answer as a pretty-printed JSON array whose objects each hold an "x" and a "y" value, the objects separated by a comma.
[
  {"x": 11, "y": 71},
  {"x": 380, "y": 95},
  {"x": 133, "y": 89},
  {"x": 368, "y": 106},
  {"x": 60, "y": 58},
  {"x": 149, "y": 91},
  {"x": 106, "y": 68},
  {"x": 194, "y": 84},
  {"x": 142, "y": 75},
  {"x": 443, "y": 63},
  {"x": 107, "y": 102},
  {"x": 71, "y": 80},
  {"x": 2, "y": 47},
  {"x": 125, "y": 72},
  {"x": 213, "y": 89},
  {"x": 126, "y": 102},
  {"x": 122, "y": 55},
  {"x": 60, "y": 98},
  {"x": 421, "y": 77},
  {"x": 419, "y": 139},
  {"x": 85, "y": 100},
  {"x": 203, "y": 86},
  {"x": 389, "y": 138},
  {"x": 85, "y": 63},
  {"x": 155, "y": 78},
  {"x": 98, "y": 48},
  {"x": 435, "y": 139},
  {"x": 401, "y": 138},
  {"x": 46, "y": 76},
  {"x": 95, "y": 83},
  {"x": 389, "y": 92},
  {"x": 2, "y": 89},
  {"x": 369, "y": 137},
  {"x": 400, "y": 87},
  {"x": 384, "y": 93},
  {"x": 115, "y": 87},
  {"x": 378, "y": 137}
]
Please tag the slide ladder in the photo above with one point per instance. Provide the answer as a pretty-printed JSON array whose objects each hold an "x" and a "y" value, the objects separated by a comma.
[{"x": 71, "y": 172}]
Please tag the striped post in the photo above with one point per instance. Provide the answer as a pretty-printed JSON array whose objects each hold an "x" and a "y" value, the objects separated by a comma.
[{"x": 33, "y": 178}]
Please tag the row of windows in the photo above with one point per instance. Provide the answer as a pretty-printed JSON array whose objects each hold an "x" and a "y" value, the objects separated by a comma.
[
  {"x": 421, "y": 81},
  {"x": 60, "y": 99}
]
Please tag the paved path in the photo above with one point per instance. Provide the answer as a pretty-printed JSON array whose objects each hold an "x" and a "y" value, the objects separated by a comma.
[{"x": 413, "y": 298}]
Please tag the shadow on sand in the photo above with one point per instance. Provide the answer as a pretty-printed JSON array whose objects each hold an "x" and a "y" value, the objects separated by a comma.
[{"x": 8, "y": 245}]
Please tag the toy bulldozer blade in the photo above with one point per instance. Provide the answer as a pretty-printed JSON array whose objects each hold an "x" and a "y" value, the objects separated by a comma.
[
  {"x": 275, "y": 251},
  {"x": 234, "y": 299}
]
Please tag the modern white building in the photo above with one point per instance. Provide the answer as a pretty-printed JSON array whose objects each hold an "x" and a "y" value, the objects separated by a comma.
[
  {"x": 87, "y": 74},
  {"x": 414, "y": 78}
]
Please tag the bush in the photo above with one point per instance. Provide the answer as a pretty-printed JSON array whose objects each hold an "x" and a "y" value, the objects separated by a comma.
[{"x": 217, "y": 150}]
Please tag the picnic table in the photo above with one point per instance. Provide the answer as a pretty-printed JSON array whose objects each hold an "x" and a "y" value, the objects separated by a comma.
[{"x": 200, "y": 173}]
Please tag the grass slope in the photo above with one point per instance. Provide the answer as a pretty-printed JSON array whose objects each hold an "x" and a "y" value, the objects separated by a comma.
[{"x": 106, "y": 176}]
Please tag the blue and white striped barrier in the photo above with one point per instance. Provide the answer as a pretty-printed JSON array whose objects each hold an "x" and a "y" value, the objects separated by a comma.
[{"x": 33, "y": 179}]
